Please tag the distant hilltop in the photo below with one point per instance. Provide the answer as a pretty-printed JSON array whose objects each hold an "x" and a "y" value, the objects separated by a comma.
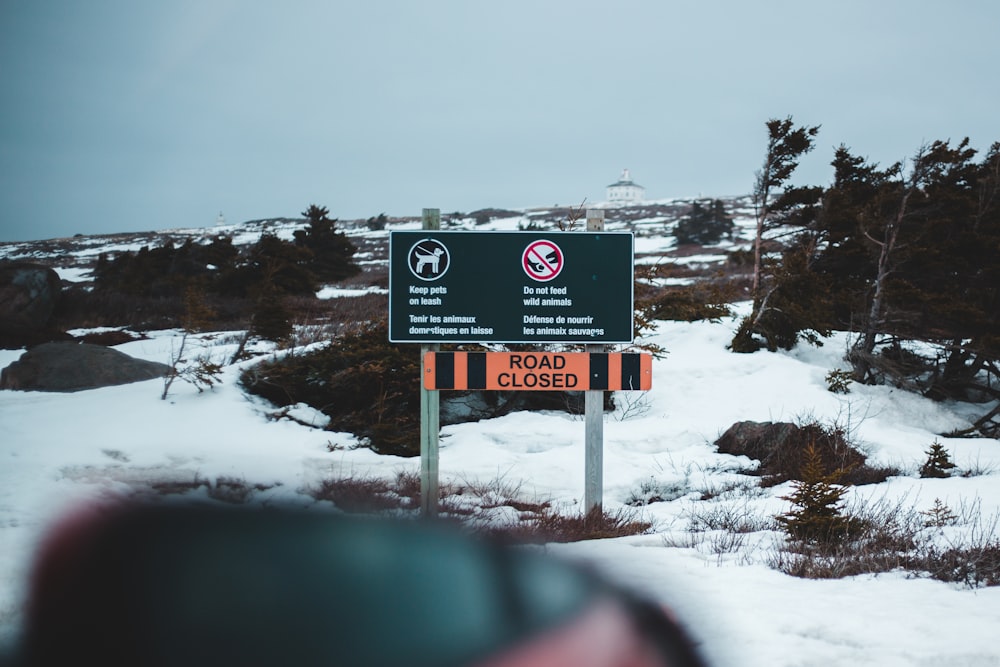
[{"x": 650, "y": 211}]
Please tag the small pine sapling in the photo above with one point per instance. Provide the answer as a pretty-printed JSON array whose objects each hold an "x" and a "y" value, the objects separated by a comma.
[
  {"x": 818, "y": 516},
  {"x": 938, "y": 463},
  {"x": 939, "y": 515},
  {"x": 200, "y": 372},
  {"x": 838, "y": 381}
]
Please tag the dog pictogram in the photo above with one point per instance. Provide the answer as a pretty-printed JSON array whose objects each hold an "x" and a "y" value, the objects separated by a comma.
[
  {"x": 429, "y": 259},
  {"x": 433, "y": 259}
]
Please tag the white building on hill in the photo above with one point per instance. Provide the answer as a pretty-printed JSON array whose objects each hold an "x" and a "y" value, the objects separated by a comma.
[{"x": 625, "y": 191}]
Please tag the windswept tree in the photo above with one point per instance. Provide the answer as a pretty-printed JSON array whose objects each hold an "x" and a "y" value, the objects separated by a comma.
[
  {"x": 906, "y": 257},
  {"x": 780, "y": 210},
  {"x": 882, "y": 222},
  {"x": 786, "y": 144},
  {"x": 912, "y": 253},
  {"x": 926, "y": 233}
]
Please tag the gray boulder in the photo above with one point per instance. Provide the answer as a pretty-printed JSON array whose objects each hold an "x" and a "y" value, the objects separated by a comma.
[
  {"x": 781, "y": 449},
  {"x": 28, "y": 294},
  {"x": 76, "y": 366},
  {"x": 758, "y": 440}
]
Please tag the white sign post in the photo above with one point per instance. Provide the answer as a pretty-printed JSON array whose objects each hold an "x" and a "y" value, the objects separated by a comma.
[
  {"x": 593, "y": 409},
  {"x": 430, "y": 413}
]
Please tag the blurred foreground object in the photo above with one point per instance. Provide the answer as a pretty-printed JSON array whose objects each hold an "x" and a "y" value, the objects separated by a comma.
[{"x": 192, "y": 586}]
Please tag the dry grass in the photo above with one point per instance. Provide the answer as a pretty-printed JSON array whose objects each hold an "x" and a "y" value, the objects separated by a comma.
[
  {"x": 495, "y": 508},
  {"x": 731, "y": 517},
  {"x": 226, "y": 489},
  {"x": 550, "y": 526},
  {"x": 367, "y": 494},
  {"x": 891, "y": 536},
  {"x": 881, "y": 538}
]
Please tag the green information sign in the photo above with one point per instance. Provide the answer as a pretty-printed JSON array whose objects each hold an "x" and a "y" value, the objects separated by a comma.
[{"x": 510, "y": 287}]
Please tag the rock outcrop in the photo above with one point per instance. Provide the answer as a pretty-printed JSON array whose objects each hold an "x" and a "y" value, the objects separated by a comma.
[
  {"x": 69, "y": 367},
  {"x": 28, "y": 296},
  {"x": 781, "y": 449}
]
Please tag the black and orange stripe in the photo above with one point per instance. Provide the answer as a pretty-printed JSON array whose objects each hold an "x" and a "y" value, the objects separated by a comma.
[{"x": 580, "y": 371}]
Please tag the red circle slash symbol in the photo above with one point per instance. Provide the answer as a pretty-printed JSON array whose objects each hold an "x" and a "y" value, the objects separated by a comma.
[{"x": 542, "y": 260}]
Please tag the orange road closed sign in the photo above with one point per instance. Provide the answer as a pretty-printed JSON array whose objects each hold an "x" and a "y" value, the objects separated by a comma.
[{"x": 538, "y": 371}]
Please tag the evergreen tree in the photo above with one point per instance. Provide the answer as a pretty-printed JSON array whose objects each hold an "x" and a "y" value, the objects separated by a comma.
[
  {"x": 845, "y": 260},
  {"x": 938, "y": 463},
  {"x": 377, "y": 223},
  {"x": 271, "y": 319},
  {"x": 332, "y": 251},
  {"x": 704, "y": 225},
  {"x": 793, "y": 207},
  {"x": 167, "y": 270},
  {"x": 785, "y": 147},
  {"x": 910, "y": 253},
  {"x": 939, "y": 515},
  {"x": 818, "y": 513},
  {"x": 798, "y": 305},
  {"x": 219, "y": 256},
  {"x": 271, "y": 264},
  {"x": 903, "y": 253}
]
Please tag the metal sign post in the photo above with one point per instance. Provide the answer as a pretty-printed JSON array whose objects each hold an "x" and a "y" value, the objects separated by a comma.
[
  {"x": 593, "y": 411},
  {"x": 430, "y": 412}
]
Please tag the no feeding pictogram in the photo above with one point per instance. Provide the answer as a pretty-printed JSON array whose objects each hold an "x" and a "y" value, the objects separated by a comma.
[
  {"x": 542, "y": 260},
  {"x": 429, "y": 259}
]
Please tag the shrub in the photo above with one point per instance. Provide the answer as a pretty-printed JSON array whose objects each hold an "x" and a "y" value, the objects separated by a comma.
[
  {"x": 366, "y": 386},
  {"x": 234, "y": 490},
  {"x": 873, "y": 537},
  {"x": 79, "y": 308},
  {"x": 358, "y": 494},
  {"x": 737, "y": 518},
  {"x": 550, "y": 526},
  {"x": 109, "y": 338},
  {"x": 202, "y": 371},
  {"x": 529, "y": 521},
  {"x": 974, "y": 566},
  {"x": 687, "y": 304},
  {"x": 652, "y": 491},
  {"x": 271, "y": 319}
]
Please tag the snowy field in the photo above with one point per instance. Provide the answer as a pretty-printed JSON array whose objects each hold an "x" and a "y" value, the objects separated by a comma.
[{"x": 59, "y": 450}]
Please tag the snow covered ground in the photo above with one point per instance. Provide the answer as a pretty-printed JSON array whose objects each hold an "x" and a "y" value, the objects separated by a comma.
[{"x": 57, "y": 450}]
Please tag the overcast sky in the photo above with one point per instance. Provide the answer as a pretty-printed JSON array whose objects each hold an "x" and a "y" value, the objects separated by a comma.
[{"x": 120, "y": 115}]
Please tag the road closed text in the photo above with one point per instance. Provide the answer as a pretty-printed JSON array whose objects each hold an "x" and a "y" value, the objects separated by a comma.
[{"x": 538, "y": 371}]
